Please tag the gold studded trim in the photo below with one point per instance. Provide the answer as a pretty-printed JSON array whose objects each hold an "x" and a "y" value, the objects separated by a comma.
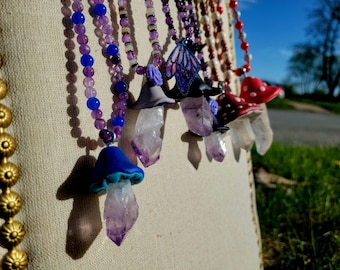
[{"x": 12, "y": 232}]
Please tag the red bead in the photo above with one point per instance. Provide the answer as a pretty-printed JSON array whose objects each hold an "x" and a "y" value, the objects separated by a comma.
[
  {"x": 239, "y": 25},
  {"x": 219, "y": 8},
  {"x": 239, "y": 71},
  {"x": 244, "y": 45},
  {"x": 247, "y": 67},
  {"x": 233, "y": 4}
]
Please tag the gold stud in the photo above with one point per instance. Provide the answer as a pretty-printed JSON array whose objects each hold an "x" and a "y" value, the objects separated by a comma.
[
  {"x": 11, "y": 234},
  {"x": 10, "y": 204},
  {"x": 9, "y": 175},
  {"x": 7, "y": 145},
  {"x": 5, "y": 116},
  {"x": 3, "y": 89},
  {"x": 15, "y": 260}
]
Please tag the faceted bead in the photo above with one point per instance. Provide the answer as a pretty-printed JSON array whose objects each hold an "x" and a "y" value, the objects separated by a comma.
[
  {"x": 78, "y": 18},
  {"x": 79, "y": 29},
  {"x": 77, "y": 6},
  {"x": 87, "y": 60},
  {"x": 88, "y": 82},
  {"x": 107, "y": 29},
  {"x": 99, "y": 9},
  {"x": 90, "y": 92},
  {"x": 82, "y": 39},
  {"x": 93, "y": 103},
  {"x": 84, "y": 49},
  {"x": 112, "y": 50},
  {"x": 102, "y": 20}
]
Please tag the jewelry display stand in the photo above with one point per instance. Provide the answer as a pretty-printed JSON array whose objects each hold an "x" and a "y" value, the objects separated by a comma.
[{"x": 194, "y": 212}]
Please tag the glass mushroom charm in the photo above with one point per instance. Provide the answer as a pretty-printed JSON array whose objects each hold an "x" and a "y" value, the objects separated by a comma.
[
  {"x": 256, "y": 91},
  {"x": 114, "y": 173}
]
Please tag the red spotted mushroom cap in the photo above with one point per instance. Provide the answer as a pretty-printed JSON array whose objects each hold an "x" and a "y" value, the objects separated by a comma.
[
  {"x": 256, "y": 91},
  {"x": 232, "y": 107}
]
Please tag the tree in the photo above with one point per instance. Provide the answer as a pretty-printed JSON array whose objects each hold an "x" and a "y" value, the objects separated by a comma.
[{"x": 321, "y": 55}]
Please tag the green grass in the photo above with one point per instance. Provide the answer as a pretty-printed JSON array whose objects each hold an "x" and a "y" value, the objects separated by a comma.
[
  {"x": 300, "y": 225},
  {"x": 278, "y": 103}
]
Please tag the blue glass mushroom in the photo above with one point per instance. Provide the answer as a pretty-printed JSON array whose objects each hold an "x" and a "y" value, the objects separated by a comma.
[{"x": 115, "y": 173}]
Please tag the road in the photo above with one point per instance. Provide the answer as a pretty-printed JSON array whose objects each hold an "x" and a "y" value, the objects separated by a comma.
[{"x": 305, "y": 128}]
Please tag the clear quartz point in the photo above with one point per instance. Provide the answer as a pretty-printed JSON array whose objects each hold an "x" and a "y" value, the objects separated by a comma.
[
  {"x": 120, "y": 210},
  {"x": 263, "y": 131},
  {"x": 146, "y": 141},
  {"x": 215, "y": 145},
  {"x": 197, "y": 114},
  {"x": 241, "y": 133}
]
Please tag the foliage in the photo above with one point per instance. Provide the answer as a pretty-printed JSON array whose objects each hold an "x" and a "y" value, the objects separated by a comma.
[
  {"x": 318, "y": 60},
  {"x": 300, "y": 224}
]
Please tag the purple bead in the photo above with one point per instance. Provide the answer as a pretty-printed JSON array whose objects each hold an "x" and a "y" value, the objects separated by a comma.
[
  {"x": 98, "y": 1},
  {"x": 77, "y": 6},
  {"x": 126, "y": 37},
  {"x": 165, "y": 9},
  {"x": 96, "y": 114},
  {"x": 118, "y": 131},
  {"x": 124, "y": 22},
  {"x": 172, "y": 32},
  {"x": 131, "y": 55},
  {"x": 88, "y": 71},
  {"x": 79, "y": 29},
  {"x": 121, "y": 104},
  {"x": 102, "y": 20},
  {"x": 152, "y": 20},
  {"x": 107, "y": 29},
  {"x": 88, "y": 82},
  {"x": 82, "y": 39},
  {"x": 153, "y": 35},
  {"x": 123, "y": 96},
  {"x": 99, "y": 124},
  {"x": 90, "y": 92},
  {"x": 149, "y": 3},
  {"x": 107, "y": 136},
  {"x": 140, "y": 70},
  {"x": 169, "y": 20},
  {"x": 157, "y": 47},
  {"x": 109, "y": 39},
  {"x": 84, "y": 49}
]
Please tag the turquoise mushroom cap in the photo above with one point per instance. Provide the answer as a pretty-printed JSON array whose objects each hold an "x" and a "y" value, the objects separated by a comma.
[{"x": 113, "y": 166}]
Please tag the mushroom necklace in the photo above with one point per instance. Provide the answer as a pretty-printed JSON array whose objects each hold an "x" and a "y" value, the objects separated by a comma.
[
  {"x": 233, "y": 111},
  {"x": 114, "y": 173}
]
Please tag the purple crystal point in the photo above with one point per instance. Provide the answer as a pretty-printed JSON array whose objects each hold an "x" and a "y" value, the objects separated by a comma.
[
  {"x": 197, "y": 114},
  {"x": 146, "y": 141},
  {"x": 215, "y": 146},
  {"x": 120, "y": 210}
]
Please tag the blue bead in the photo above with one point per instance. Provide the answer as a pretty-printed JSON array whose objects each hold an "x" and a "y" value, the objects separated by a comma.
[
  {"x": 118, "y": 121},
  {"x": 100, "y": 9},
  {"x": 120, "y": 87},
  {"x": 112, "y": 50},
  {"x": 78, "y": 18},
  {"x": 93, "y": 103},
  {"x": 87, "y": 60}
]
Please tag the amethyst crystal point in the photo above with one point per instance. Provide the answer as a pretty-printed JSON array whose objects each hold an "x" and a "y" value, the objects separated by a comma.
[
  {"x": 146, "y": 141},
  {"x": 113, "y": 166},
  {"x": 215, "y": 146},
  {"x": 197, "y": 114},
  {"x": 120, "y": 210}
]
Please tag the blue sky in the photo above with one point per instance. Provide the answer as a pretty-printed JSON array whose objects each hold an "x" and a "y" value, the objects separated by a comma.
[{"x": 272, "y": 28}]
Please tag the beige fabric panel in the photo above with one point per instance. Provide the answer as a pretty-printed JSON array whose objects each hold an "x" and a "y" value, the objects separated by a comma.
[{"x": 194, "y": 213}]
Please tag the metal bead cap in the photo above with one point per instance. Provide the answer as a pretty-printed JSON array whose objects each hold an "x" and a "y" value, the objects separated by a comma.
[
  {"x": 10, "y": 204},
  {"x": 11, "y": 234},
  {"x": 3, "y": 89},
  {"x": 5, "y": 116},
  {"x": 15, "y": 260},
  {"x": 7, "y": 145},
  {"x": 9, "y": 175}
]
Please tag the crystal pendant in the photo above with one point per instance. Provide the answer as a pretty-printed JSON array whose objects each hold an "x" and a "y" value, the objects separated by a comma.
[
  {"x": 197, "y": 114},
  {"x": 241, "y": 133},
  {"x": 146, "y": 141},
  {"x": 215, "y": 145},
  {"x": 263, "y": 131},
  {"x": 120, "y": 210}
]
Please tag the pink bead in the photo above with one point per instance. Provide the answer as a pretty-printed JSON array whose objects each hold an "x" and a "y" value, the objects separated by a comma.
[
  {"x": 77, "y": 6},
  {"x": 122, "y": 3},
  {"x": 98, "y": 1},
  {"x": 98, "y": 32},
  {"x": 118, "y": 68},
  {"x": 92, "y": 2},
  {"x": 90, "y": 92},
  {"x": 103, "y": 20},
  {"x": 88, "y": 82},
  {"x": 149, "y": 3},
  {"x": 126, "y": 37}
]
